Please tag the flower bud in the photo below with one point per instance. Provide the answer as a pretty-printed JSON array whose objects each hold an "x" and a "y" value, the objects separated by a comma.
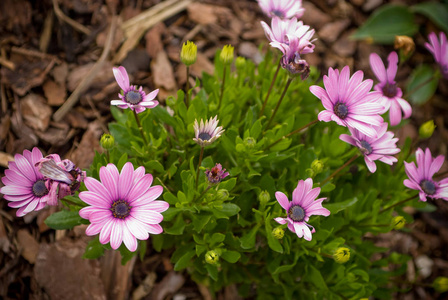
[
  {"x": 440, "y": 284},
  {"x": 317, "y": 166},
  {"x": 226, "y": 55},
  {"x": 222, "y": 195},
  {"x": 240, "y": 62},
  {"x": 107, "y": 141},
  {"x": 250, "y": 142},
  {"x": 278, "y": 233},
  {"x": 211, "y": 257},
  {"x": 398, "y": 222},
  {"x": 426, "y": 129},
  {"x": 264, "y": 197},
  {"x": 188, "y": 53},
  {"x": 341, "y": 255}
]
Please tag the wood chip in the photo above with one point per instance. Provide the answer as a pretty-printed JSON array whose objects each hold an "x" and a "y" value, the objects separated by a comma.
[
  {"x": 83, "y": 155},
  {"x": 29, "y": 245},
  {"x": 153, "y": 39},
  {"x": 35, "y": 111},
  {"x": 162, "y": 71},
  {"x": 54, "y": 92}
]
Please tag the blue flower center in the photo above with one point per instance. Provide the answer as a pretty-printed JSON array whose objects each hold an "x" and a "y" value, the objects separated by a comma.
[
  {"x": 366, "y": 149},
  {"x": 341, "y": 110},
  {"x": 39, "y": 188},
  {"x": 204, "y": 136},
  {"x": 390, "y": 90},
  {"x": 133, "y": 97},
  {"x": 120, "y": 209},
  {"x": 296, "y": 213},
  {"x": 428, "y": 187}
]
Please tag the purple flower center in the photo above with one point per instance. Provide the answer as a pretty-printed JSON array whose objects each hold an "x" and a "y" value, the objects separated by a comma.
[
  {"x": 366, "y": 149},
  {"x": 390, "y": 90},
  {"x": 120, "y": 209},
  {"x": 296, "y": 213},
  {"x": 428, "y": 187},
  {"x": 39, "y": 188},
  {"x": 133, "y": 97},
  {"x": 278, "y": 13},
  {"x": 341, "y": 110},
  {"x": 204, "y": 136}
]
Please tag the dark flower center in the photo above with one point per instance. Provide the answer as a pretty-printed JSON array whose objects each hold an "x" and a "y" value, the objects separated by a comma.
[
  {"x": 120, "y": 209},
  {"x": 133, "y": 97},
  {"x": 278, "y": 13},
  {"x": 428, "y": 187},
  {"x": 39, "y": 188},
  {"x": 366, "y": 149},
  {"x": 296, "y": 213},
  {"x": 390, "y": 90},
  {"x": 341, "y": 110},
  {"x": 204, "y": 136}
]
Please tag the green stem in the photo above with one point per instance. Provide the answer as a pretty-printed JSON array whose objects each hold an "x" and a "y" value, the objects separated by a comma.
[
  {"x": 140, "y": 127},
  {"x": 108, "y": 156},
  {"x": 398, "y": 203},
  {"x": 291, "y": 133},
  {"x": 222, "y": 86},
  {"x": 269, "y": 91},
  {"x": 203, "y": 193},
  {"x": 340, "y": 168},
  {"x": 280, "y": 101},
  {"x": 187, "y": 87},
  {"x": 199, "y": 165}
]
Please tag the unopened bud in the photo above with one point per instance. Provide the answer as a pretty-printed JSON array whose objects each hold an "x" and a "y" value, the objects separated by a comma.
[
  {"x": 188, "y": 54},
  {"x": 341, "y": 255},
  {"x": 264, "y": 197},
  {"x": 426, "y": 129},
  {"x": 317, "y": 166},
  {"x": 250, "y": 142},
  {"x": 278, "y": 233},
  {"x": 398, "y": 222},
  {"x": 226, "y": 55},
  {"x": 240, "y": 62},
  {"x": 107, "y": 141},
  {"x": 440, "y": 284},
  {"x": 222, "y": 195},
  {"x": 211, "y": 257}
]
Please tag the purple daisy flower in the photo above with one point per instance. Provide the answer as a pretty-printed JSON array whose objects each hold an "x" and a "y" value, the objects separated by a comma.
[
  {"x": 285, "y": 9},
  {"x": 25, "y": 187},
  {"x": 420, "y": 177},
  {"x": 380, "y": 148},
  {"x": 391, "y": 94},
  {"x": 133, "y": 98},
  {"x": 302, "y": 206},
  {"x": 123, "y": 206},
  {"x": 216, "y": 174},
  {"x": 207, "y": 133},
  {"x": 349, "y": 102},
  {"x": 439, "y": 50}
]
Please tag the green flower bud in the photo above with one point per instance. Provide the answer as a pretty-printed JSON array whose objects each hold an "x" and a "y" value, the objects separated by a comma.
[
  {"x": 440, "y": 284},
  {"x": 398, "y": 222},
  {"x": 278, "y": 233},
  {"x": 222, "y": 195},
  {"x": 341, "y": 255},
  {"x": 211, "y": 257},
  {"x": 427, "y": 129},
  {"x": 250, "y": 142},
  {"x": 227, "y": 54},
  {"x": 264, "y": 197},
  {"x": 188, "y": 54},
  {"x": 240, "y": 62},
  {"x": 317, "y": 166},
  {"x": 107, "y": 141}
]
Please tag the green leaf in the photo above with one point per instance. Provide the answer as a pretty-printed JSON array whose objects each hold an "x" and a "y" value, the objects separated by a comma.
[
  {"x": 65, "y": 219},
  {"x": 231, "y": 256},
  {"x": 200, "y": 220},
  {"x": 94, "y": 249},
  {"x": 212, "y": 271},
  {"x": 126, "y": 254},
  {"x": 178, "y": 226},
  {"x": 387, "y": 22},
  {"x": 154, "y": 165},
  {"x": 316, "y": 277},
  {"x": 435, "y": 11},
  {"x": 228, "y": 184},
  {"x": 248, "y": 240},
  {"x": 216, "y": 238},
  {"x": 337, "y": 207},
  {"x": 273, "y": 243},
  {"x": 420, "y": 86},
  {"x": 184, "y": 260}
]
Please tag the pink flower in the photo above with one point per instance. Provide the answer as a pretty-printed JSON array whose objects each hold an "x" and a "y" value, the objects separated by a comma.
[
  {"x": 123, "y": 206},
  {"x": 133, "y": 98},
  {"x": 349, "y": 102},
  {"x": 302, "y": 206},
  {"x": 206, "y": 133},
  {"x": 420, "y": 178},
  {"x": 25, "y": 187},
  {"x": 64, "y": 178},
  {"x": 285, "y": 9},
  {"x": 216, "y": 174},
  {"x": 380, "y": 148},
  {"x": 439, "y": 50},
  {"x": 391, "y": 94}
]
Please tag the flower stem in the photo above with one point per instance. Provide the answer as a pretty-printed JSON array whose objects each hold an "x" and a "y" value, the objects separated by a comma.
[
  {"x": 140, "y": 127},
  {"x": 291, "y": 133},
  {"x": 187, "y": 87},
  {"x": 222, "y": 86},
  {"x": 199, "y": 165},
  {"x": 398, "y": 203},
  {"x": 340, "y": 169},
  {"x": 280, "y": 101},
  {"x": 269, "y": 91}
]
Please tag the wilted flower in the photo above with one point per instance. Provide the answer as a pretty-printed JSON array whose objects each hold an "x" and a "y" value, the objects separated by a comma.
[
  {"x": 212, "y": 257},
  {"x": 207, "y": 133},
  {"x": 107, "y": 141},
  {"x": 64, "y": 178},
  {"x": 427, "y": 129},
  {"x": 302, "y": 206},
  {"x": 405, "y": 43},
  {"x": 216, "y": 174},
  {"x": 380, "y": 148},
  {"x": 25, "y": 187},
  {"x": 398, "y": 222},
  {"x": 226, "y": 55},
  {"x": 133, "y": 98},
  {"x": 391, "y": 94},
  {"x": 123, "y": 206},
  {"x": 420, "y": 177},
  {"x": 349, "y": 102},
  {"x": 341, "y": 255},
  {"x": 439, "y": 50},
  {"x": 188, "y": 54},
  {"x": 282, "y": 8}
]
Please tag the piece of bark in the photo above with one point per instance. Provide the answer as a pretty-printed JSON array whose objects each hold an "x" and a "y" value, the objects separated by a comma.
[
  {"x": 153, "y": 39},
  {"x": 313, "y": 16},
  {"x": 84, "y": 154},
  {"x": 331, "y": 31},
  {"x": 145, "y": 287},
  {"x": 168, "y": 286},
  {"x": 54, "y": 92},
  {"x": 35, "y": 112},
  {"x": 28, "y": 244},
  {"x": 4, "y": 240},
  {"x": 101, "y": 78},
  {"x": 162, "y": 71},
  {"x": 344, "y": 46},
  {"x": 115, "y": 276}
]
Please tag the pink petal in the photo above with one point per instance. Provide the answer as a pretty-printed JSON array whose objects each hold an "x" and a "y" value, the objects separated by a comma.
[
  {"x": 129, "y": 240},
  {"x": 436, "y": 165},
  {"x": 94, "y": 199},
  {"x": 109, "y": 178},
  {"x": 122, "y": 78},
  {"x": 348, "y": 139},
  {"x": 147, "y": 216},
  {"x": 392, "y": 67},
  {"x": 154, "y": 228},
  {"x": 105, "y": 231},
  {"x": 282, "y": 200},
  {"x": 125, "y": 180},
  {"x": 140, "y": 187},
  {"x": 378, "y": 67},
  {"x": 406, "y": 107},
  {"x": 395, "y": 113},
  {"x": 151, "y": 95},
  {"x": 116, "y": 235},
  {"x": 158, "y": 206},
  {"x": 86, "y": 211},
  {"x": 152, "y": 194},
  {"x": 94, "y": 229},
  {"x": 370, "y": 165},
  {"x": 137, "y": 228},
  {"x": 280, "y": 220}
]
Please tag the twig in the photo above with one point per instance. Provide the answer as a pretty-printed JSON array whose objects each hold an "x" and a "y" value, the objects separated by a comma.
[
  {"x": 7, "y": 63},
  {"x": 97, "y": 114},
  {"x": 85, "y": 83},
  {"x": 69, "y": 21},
  {"x": 45, "y": 37},
  {"x": 35, "y": 53}
]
